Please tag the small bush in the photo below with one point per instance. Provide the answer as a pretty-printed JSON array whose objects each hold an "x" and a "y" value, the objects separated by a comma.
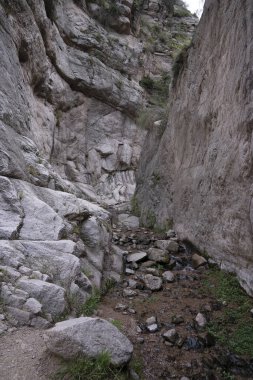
[
  {"x": 181, "y": 11},
  {"x": 179, "y": 63}
]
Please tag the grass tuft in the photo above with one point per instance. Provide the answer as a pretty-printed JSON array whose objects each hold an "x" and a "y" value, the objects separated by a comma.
[
  {"x": 233, "y": 326},
  {"x": 90, "y": 369}
]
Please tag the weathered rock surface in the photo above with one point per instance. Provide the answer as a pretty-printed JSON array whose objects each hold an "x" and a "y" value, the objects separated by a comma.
[
  {"x": 68, "y": 108},
  {"x": 203, "y": 159},
  {"x": 89, "y": 337}
]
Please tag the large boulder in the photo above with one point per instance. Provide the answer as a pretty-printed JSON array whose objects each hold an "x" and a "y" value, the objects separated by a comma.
[{"x": 89, "y": 337}]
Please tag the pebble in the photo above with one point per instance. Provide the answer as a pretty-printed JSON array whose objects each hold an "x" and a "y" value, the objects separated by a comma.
[
  {"x": 129, "y": 293},
  {"x": 152, "y": 328},
  {"x": 150, "y": 321},
  {"x": 132, "y": 284},
  {"x": 251, "y": 312},
  {"x": 120, "y": 307},
  {"x": 132, "y": 311},
  {"x": 171, "y": 336},
  {"x": 168, "y": 276},
  {"x": 129, "y": 271},
  {"x": 177, "y": 319},
  {"x": 152, "y": 282},
  {"x": 201, "y": 320},
  {"x": 140, "y": 340},
  {"x": 137, "y": 256}
]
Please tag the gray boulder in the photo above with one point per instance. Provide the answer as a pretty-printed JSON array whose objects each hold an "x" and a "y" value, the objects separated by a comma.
[
  {"x": 89, "y": 337},
  {"x": 158, "y": 255},
  {"x": 51, "y": 296}
]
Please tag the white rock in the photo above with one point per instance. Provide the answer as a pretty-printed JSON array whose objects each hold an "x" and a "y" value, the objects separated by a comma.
[
  {"x": 201, "y": 320},
  {"x": 150, "y": 321},
  {"x": 152, "y": 282},
  {"x": 129, "y": 293},
  {"x": 33, "y": 306},
  {"x": 168, "y": 276},
  {"x": 171, "y": 335},
  {"x": 152, "y": 328},
  {"x": 89, "y": 337},
  {"x": 51, "y": 296},
  {"x": 137, "y": 256}
]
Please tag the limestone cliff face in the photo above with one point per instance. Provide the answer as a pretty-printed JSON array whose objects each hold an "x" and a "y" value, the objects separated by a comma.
[
  {"x": 70, "y": 94},
  {"x": 198, "y": 172}
]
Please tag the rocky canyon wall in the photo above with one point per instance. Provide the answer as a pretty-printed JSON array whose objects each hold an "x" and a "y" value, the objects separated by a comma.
[
  {"x": 70, "y": 96},
  {"x": 197, "y": 173}
]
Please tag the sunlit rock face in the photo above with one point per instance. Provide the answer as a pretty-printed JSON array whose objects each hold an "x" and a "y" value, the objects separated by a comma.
[{"x": 197, "y": 173}]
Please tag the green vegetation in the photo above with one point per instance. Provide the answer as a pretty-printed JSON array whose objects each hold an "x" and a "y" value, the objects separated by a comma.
[
  {"x": 181, "y": 11},
  {"x": 33, "y": 171},
  {"x": 118, "y": 324},
  {"x": 233, "y": 326},
  {"x": 92, "y": 303},
  {"x": 90, "y": 369},
  {"x": 150, "y": 219},
  {"x": 179, "y": 63},
  {"x": 135, "y": 208}
]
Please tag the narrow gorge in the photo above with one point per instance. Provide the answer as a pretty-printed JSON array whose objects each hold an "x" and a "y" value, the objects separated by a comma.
[{"x": 125, "y": 186}]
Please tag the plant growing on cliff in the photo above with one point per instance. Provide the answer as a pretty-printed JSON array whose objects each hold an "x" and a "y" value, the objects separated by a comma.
[{"x": 180, "y": 63}]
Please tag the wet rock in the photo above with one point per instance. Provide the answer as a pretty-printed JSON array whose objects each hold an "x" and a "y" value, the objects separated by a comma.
[
  {"x": 201, "y": 320},
  {"x": 158, "y": 255},
  {"x": 171, "y": 336},
  {"x": 194, "y": 343},
  {"x": 137, "y": 256},
  {"x": 168, "y": 276},
  {"x": 89, "y": 337},
  {"x": 152, "y": 282},
  {"x": 198, "y": 261}
]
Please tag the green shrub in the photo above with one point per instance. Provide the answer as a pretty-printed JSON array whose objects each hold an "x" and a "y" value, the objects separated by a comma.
[
  {"x": 181, "y": 11},
  {"x": 180, "y": 63}
]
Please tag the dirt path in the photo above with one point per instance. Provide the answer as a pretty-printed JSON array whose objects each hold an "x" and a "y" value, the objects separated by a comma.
[{"x": 23, "y": 356}]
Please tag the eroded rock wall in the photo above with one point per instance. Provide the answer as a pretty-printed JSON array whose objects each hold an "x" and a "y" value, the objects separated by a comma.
[{"x": 197, "y": 174}]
